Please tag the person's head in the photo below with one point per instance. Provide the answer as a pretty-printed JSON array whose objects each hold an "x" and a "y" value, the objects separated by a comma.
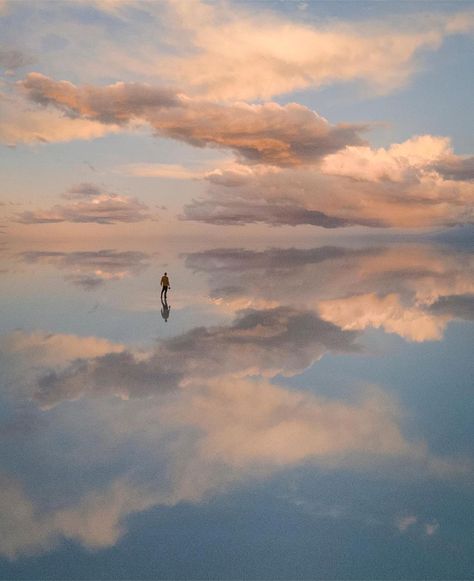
[{"x": 166, "y": 273}]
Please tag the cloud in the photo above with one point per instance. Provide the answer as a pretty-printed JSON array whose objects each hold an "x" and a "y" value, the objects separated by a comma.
[
  {"x": 24, "y": 355},
  {"x": 254, "y": 423},
  {"x": 398, "y": 163},
  {"x": 270, "y": 133},
  {"x": 12, "y": 59},
  {"x": 266, "y": 342},
  {"x": 457, "y": 306},
  {"x": 91, "y": 269},
  {"x": 161, "y": 170},
  {"x": 431, "y": 528},
  {"x": 20, "y": 124},
  {"x": 224, "y": 432},
  {"x": 414, "y": 290},
  {"x": 227, "y": 52},
  {"x": 456, "y": 168},
  {"x": 95, "y": 522},
  {"x": 221, "y": 428},
  {"x": 354, "y": 185},
  {"x": 117, "y": 103},
  {"x": 394, "y": 187},
  {"x": 90, "y": 205},
  {"x": 405, "y": 522},
  {"x": 83, "y": 190},
  {"x": 370, "y": 310},
  {"x": 236, "y": 212},
  {"x": 51, "y": 349}
]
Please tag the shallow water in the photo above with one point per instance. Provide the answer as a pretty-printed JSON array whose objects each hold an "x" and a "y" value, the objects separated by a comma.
[{"x": 300, "y": 411}]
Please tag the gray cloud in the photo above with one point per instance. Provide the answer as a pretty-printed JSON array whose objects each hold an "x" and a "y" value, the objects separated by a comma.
[
  {"x": 306, "y": 196},
  {"x": 456, "y": 168},
  {"x": 89, "y": 204},
  {"x": 458, "y": 306},
  {"x": 83, "y": 191},
  {"x": 91, "y": 269},
  {"x": 299, "y": 272},
  {"x": 281, "y": 135},
  {"x": 269, "y": 342},
  {"x": 226, "y": 267},
  {"x": 116, "y": 103},
  {"x": 240, "y": 212},
  {"x": 11, "y": 59}
]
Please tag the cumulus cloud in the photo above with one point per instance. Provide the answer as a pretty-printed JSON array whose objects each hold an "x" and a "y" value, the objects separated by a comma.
[
  {"x": 89, "y": 204},
  {"x": 274, "y": 134},
  {"x": 394, "y": 187},
  {"x": 245, "y": 54},
  {"x": 369, "y": 310},
  {"x": 259, "y": 342},
  {"x": 91, "y": 269},
  {"x": 413, "y": 291},
  {"x": 397, "y": 163},
  {"x": 418, "y": 183}
]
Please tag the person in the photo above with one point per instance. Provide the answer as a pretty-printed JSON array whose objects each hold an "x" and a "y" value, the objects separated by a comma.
[{"x": 165, "y": 285}]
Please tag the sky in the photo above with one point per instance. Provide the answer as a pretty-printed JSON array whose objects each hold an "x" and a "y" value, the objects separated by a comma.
[{"x": 301, "y": 404}]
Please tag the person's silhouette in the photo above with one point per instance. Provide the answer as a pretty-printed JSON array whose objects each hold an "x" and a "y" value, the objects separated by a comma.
[
  {"x": 165, "y": 285},
  {"x": 165, "y": 310}
]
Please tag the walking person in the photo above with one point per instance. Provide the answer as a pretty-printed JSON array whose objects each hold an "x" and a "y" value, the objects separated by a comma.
[{"x": 165, "y": 285}]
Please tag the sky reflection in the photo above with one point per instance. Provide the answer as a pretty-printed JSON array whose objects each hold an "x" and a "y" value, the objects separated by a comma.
[{"x": 282, "y": 382}]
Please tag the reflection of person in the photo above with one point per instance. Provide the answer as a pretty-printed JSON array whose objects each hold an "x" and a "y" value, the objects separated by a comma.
[
  {"x": 165, "y": 285},
  {"x": 165, "y": 310}
]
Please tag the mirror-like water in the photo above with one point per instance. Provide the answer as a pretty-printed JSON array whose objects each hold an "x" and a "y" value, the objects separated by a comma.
[{"x": 326, "y": 389}]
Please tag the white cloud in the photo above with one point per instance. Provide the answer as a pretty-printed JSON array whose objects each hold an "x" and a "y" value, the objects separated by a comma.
[
  {"x": 370, "y": 310},
  {"x": 233, "y": 53}
]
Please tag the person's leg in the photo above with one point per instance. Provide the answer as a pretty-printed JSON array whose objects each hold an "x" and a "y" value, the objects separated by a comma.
[{"x": 165, "y": 288}]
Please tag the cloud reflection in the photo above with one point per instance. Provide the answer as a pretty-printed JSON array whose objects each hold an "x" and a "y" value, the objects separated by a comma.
[
  {"x": 197, "y": 414},
  {"x": 413, "y": 291}
]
